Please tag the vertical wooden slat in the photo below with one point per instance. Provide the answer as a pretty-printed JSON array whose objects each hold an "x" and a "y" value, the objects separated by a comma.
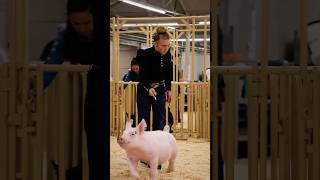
[
  {"x": 289, "y": 122},
  {"x": 12, "y": 144},
  {"x": 263, "y": 86},
  {"x": 214, "y": 92},
  {"x": 316, "y": 126},
  {"x": 204, "y": 111},
  {"x": 85, "y": 164},
  {"x": 62, "y": 124},
  {"x": 236, "y": 95},
  {"x": 177, "y": 58},
  {"x": 308, "y": 116},
  {"x": 294, "y": 137},
  {"x": 301, "y": 123},
  {"x": 129, "y": 101},
  {"x": 117, "y": 104},
  {"x": 274, "y": 95},
  {"x": 182, "y": 95},
  {"x": 197, "y": 111},
  {"x": 202, "y": 119},
  {"x": 214, "y": 123},
  {"x": 136, "y": 104},
  {"x": 117, "y": 62},
  {"x": 263, "y": 125},
  {"x": 284, "y": 125},
  {"x": 4, "y": 102},
  {"x": 189, "y": 108},
  {"x": 229, "y": 126},
  {"x": 192, "y": 91},
  {"x": 41, "y": 128},
  {"x": 26, "y": 152},
  {"x": 76, "y": 118},
  {"x": 298, "y": 143},
  {"x": 209, "y": 129},
  {"x": 174, "y": 103},
  {"x": 252, "y": 129},
  {"x": 205, "y": 50},
  {"x": 122, "y": 108}
]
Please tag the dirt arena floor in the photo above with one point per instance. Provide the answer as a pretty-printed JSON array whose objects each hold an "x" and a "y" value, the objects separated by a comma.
[{"x": 193, "y": 162}]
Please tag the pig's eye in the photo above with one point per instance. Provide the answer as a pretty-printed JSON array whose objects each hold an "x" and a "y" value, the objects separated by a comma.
[{"x": 133, "y": 133}]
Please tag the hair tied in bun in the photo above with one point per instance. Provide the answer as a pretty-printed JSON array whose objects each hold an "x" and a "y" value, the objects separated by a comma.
[{"x": 161, "y": 30}]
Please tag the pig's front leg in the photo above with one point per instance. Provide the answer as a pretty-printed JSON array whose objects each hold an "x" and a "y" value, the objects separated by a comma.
[
  {"x": 154, "y": 169},
  {"x": 133, "y": 162}
]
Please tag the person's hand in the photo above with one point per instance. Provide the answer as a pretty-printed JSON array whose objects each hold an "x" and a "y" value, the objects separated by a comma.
[
  {"x": 152, "y": 92},
  {"x": 168, "y": 96}
]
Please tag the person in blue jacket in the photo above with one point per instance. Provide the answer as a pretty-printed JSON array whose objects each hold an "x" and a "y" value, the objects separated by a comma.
[
  {"x": 76, "y": 43},
  {"x": 133, "y": 73}
]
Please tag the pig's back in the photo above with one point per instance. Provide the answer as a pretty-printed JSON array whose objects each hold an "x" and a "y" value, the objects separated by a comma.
[{"x": 164, "y": 143}]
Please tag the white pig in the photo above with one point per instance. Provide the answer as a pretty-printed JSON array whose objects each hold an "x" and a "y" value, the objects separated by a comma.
[{"x": 152, "y": 147}]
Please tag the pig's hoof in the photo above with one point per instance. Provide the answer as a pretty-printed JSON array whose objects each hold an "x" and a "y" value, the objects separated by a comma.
[
  {"x": 145, "y": 163},
  {"x": 170, "y": 169},
  {"x": 136, "y": 176}
]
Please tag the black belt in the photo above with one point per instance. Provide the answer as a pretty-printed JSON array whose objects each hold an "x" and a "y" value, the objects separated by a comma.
[{"x": 157, "y": 84}]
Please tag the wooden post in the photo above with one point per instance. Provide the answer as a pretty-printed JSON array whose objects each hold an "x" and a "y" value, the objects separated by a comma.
[
  {"x": 41, "y": 129},
  {"x": 208, "y": 108},
  {"x": 76, "y": 117},
  {"x": 263, "y": 88},
  {"x": 85, "y": 164},
  {"x": 136, "y": 104},
  {"x": 214, "y": 90},
  {"x": 284, "y": 125},
  {"x": 204, "y": 50},
  {"x": 274, "y": 96},
  {"x": 182, "y": 96},
  {"x": 63, "y": 118},
  {"x": 316, "y": 126},
  {"x": 111, "y": 108},
  {"x": 253, "y": 137},
  {"x": 4, "y": 111},
  {"x": 229, "y": 124},
  {"x": 298, "y": 156}
]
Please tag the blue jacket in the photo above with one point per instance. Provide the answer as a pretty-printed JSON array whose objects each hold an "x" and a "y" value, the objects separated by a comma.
[
  {"x": 73, "y": 48},
  {"x": 131, "y": 76}
]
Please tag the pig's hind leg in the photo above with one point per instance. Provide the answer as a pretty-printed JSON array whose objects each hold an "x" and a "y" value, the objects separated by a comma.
[
  {"x": 133, "y": 163},
  {"x": 171, "y": 163}
]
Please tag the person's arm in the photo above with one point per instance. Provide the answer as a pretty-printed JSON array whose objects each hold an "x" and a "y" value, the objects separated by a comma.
[
  {"x": 55, "y": 57},
  {"x": 128, "y": 77},
  {"x": 144, "y": 69}
]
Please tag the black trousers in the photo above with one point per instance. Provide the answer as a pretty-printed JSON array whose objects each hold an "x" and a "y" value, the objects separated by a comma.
[
  {"x": 96, "y": 123},
  {"x": 158, "y": 107}
]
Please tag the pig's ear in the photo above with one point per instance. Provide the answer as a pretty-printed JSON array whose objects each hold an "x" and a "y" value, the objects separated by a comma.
[
  {"x": 142, "y": 126},
  {"x": 129, "y": 124}
]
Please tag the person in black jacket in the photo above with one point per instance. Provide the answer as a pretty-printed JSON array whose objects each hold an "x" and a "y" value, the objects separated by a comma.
[{"x": 154, "y": 87}]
